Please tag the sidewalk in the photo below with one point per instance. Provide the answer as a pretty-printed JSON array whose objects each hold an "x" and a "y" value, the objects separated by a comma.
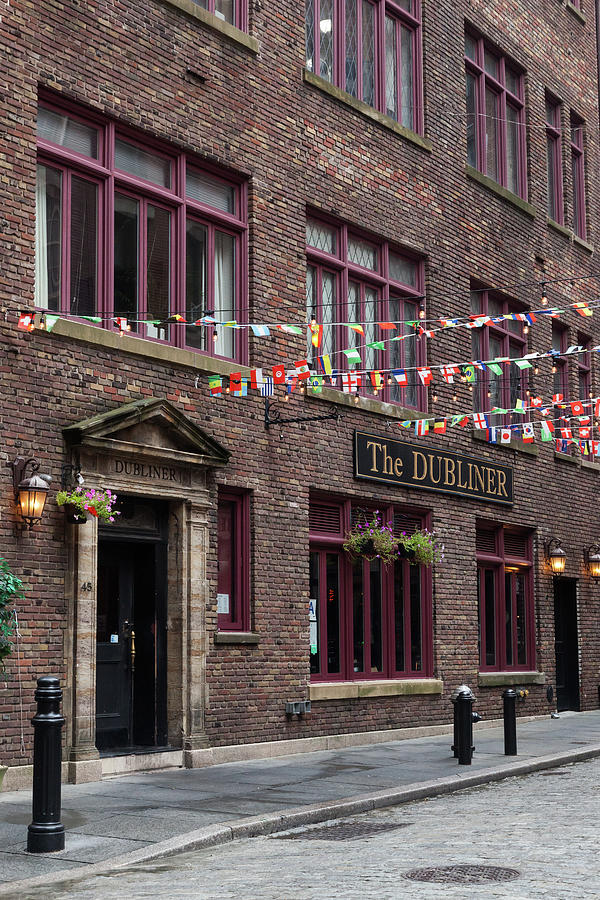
[{"x": 139, "y": 817}]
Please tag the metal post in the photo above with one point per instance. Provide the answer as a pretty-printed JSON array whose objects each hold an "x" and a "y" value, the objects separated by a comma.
[
  {"x": 46, "y": 832},
  {"x": 464, "y": 705},
  {"x": 455, "y": 741},
  {"x": 510, "y": 722}
]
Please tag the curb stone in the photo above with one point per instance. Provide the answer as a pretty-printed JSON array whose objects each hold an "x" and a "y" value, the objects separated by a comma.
[{"x": 271, "y": 823}]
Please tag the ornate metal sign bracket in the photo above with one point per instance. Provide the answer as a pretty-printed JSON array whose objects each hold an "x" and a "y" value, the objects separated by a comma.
[{"x": 273, "y": 415}]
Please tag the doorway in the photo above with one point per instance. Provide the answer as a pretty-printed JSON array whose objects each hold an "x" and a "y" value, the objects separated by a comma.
[
  {"x": 566, "y": 644},
  {"x": 131, "y": 657}
]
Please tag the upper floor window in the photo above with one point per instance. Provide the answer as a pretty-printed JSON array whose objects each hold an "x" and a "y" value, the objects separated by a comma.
[
  {"x": 554, "y": 160},
  {"x": 372, "y": 50},
  {"x": 129, "y": 228},
  {"x": 578, "y": 175},
  {"x": 232, "y": 11},
  {"x": 367, "y": 621},
  {"x": 560, "y": 363},
  {"x": 583, "y": 362},
  {"x": 505, "y": 589},
  {"x": 505, "y": 339},
  {"x": 354, "y": 279},
  {"x": 495, "y": 115}
]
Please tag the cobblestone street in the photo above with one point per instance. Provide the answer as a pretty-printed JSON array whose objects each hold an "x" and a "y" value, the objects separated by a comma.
[{"x": 545, "y": 826}]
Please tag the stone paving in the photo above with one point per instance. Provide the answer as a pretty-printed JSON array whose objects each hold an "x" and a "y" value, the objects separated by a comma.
[
  {"x": 109, "y": 819},
  {"x": 545, "y": 825}
]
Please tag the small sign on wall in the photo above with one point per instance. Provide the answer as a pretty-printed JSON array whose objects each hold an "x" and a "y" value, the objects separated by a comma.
[
  {"x": 223, "y": 604},
  {"x": 314, "y": 634}
]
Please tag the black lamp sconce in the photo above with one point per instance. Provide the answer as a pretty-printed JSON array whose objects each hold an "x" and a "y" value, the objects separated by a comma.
[
  {"x": 555, "y": 556},
  {"x": 30, "y": 491},
  {"x": 592, "y": 559}
]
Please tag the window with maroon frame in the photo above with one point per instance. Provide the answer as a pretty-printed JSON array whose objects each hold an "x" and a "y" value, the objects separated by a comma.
[
  {"x": 495, "y": 115},
  {"x": 127, "y": 227},
  {"x": 578, "y": 222},
  {"x": 367, "y": 621},
  {"x": 554, "y": 159},
  {"x": 583, "y": 362},
  {"x": 560, "y": 363},
  {"x": 233, "y": 540},
  {"x": 352, "y": 278},
  {"x": 372, "y": 50},
  {"x": 502, "y": 338},
  {"x": 505, "y": 599},
  {"x": 232, "y": 11}
]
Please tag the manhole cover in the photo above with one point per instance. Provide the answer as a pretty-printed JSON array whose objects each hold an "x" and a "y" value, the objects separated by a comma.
[
  {"x": 462, "y": 874},
  {"x": 346, "y": 831}
]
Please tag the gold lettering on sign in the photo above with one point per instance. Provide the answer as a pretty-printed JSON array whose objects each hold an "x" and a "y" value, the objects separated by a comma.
[
  {"x": 502, "y": 483},
  {"x": 417, "y": 455},
  {"x": 491, "y": 481},
  {"x": 449, "y": 467},
  {"x": 376, "y": 446},
  {"x": 433, "y": 458}
]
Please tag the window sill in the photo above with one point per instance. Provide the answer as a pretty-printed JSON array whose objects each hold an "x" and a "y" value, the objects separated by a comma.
[
  {"x": 367, "y": 404},
  {"x": 556, "y": 226},
  {"x": 520, "y": 204},
  {"x": 576, "y": 12},
  {"x": 501, "y": 679},
  {"x": 127, "y": 343},
  {"x": 353, "y": 690},
  {"x": 519, "y": 446},
  {"x": 565, "y": 458},
  {"x": 236, "y": 637},
  {"x": 369, "y": 111},
  {"x": 583, "y": 244},
  {"x": 230, "y": 32},
  {"x": 593, "y": 466}
]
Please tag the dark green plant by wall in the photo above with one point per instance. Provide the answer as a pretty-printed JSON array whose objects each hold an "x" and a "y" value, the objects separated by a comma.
[{"x": 11, "y": 590}]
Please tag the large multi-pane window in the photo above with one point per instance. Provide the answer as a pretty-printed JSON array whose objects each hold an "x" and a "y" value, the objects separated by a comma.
[
  {"x": 232, "y": 11},
  {"x": 495, "y": 115},
  {"x": 128, "y": 228},
  {"x": 505, "y": 592},
  {"x": 504, "y": 339},
  {"x": 353, "y": 279},
  {"x": 578, "y": 221},
  {"x": 554, "y": 159},
  {"x": 372, "y": 50},
  {"x": 367, "y": 620},
  {"x": 583, "y": 362}
]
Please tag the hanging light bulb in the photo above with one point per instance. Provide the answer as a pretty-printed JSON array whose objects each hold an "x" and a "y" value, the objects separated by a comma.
[
  {"x": 356, "y": 398},
  {"x": 528, "y": 392},
  {"x": 434, "y": 396},
  {"x": 489, "y": 393},
  {"x": 536, "y": 370},
  {"x": 455, "y": 396},
  {"x": 215, "y": 336},
  {"x": 422, "y": 311},
  {"x": 286, "y": 397},
  {"x": 389, "y": 380},
  {"x": 544, "y": 299},
  {"x": 471, "y": 388},
  {"x": 554, "y": 368},
  {"x": 525, "y": 329}
]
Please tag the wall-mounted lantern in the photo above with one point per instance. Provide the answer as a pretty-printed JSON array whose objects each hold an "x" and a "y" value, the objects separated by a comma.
[
  {"x": 592, "y": 558},
  {"x": 555, "y": 556},
  {"x": 30, "y": 492}
]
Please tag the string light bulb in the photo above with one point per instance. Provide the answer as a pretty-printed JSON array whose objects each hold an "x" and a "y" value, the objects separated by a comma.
[
  {"x": 422, "y": 311},
  {"x": 544, "y": 298},
  {"x": 434, "y": 396},
  {"x": 356, "y": 398},
  {"x": 215, "y": 336},
  {"x": 536, "y": 370},
  {"x": 554, "y": 368},
  {"x": 286, "y": 397},
  {"x": 525, "y": 329},
  {"x": 455, "y": 396}
]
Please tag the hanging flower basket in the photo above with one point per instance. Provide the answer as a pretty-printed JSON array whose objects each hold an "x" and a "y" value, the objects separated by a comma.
[
  {"x": 11, "y": 590},
  {"x": 420, "y": 548},
  {"x": 372, "y": 539},
  {"x": 82, "y": 503}
]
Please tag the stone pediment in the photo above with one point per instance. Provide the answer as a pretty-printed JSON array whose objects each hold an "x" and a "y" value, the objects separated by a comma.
[{"x": 151, "y": 428}]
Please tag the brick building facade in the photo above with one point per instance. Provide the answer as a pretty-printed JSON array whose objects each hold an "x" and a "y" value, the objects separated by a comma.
[{"x": 229, "y": 162}]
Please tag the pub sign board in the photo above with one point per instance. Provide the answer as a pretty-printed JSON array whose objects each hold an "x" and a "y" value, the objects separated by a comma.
[{"x": 379, "y": 458}]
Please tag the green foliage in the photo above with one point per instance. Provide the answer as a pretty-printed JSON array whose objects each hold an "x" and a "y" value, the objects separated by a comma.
[
  {"x": 98, "y": 503},
  {"x": 424, "y": 546},
  {"x": 11, "y": 590},
  {"x": 372, "y": 539}
]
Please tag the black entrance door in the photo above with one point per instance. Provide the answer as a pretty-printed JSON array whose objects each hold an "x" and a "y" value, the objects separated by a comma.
[
  {"x": 131, "y": 665},
  {"x": 566, "y": 644}
]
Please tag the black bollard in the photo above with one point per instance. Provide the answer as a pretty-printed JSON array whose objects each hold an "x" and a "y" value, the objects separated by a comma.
[
  {"x": 46, "y": 832},
  {"x": 454, "y": 747},
  {"x": 510, "y": 722},
  {"x": 464, "y": 706}
]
